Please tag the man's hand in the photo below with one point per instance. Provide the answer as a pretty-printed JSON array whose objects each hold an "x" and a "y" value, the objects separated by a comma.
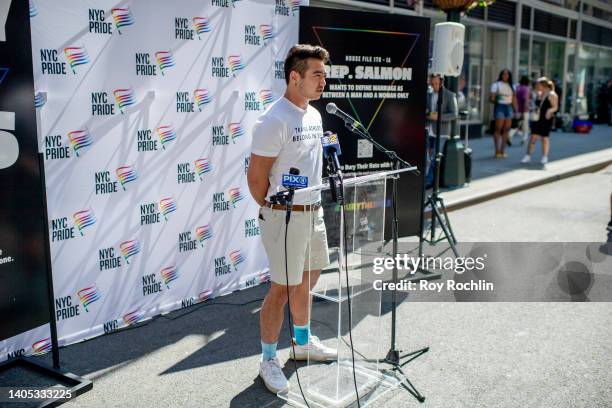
[
  {"x": 257, "y": 177},
  {"x": 433, "y": 115}
]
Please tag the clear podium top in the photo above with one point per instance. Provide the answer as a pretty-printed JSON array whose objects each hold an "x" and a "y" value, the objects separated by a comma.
[{"x": 349, "y": 181}]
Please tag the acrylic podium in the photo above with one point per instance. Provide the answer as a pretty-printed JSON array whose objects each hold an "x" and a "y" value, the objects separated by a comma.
[{"x": 355, "y": 238}]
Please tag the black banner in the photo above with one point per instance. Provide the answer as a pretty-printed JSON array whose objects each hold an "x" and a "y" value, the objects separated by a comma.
[
  {"x": 378, "y": 74},
  {"x": 23, "y": 282}
]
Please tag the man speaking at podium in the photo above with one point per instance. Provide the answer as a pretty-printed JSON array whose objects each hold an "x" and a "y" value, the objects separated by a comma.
[{"x": 288, "y": 134}]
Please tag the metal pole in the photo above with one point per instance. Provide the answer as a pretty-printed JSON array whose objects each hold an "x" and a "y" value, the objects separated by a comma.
[{"x": 50, "y": 294}]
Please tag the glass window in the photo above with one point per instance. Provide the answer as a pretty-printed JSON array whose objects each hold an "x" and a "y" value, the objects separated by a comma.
[
  {"x": 469, "y": 81},
  {"x": 524, "y": 56},
  {"x": 594, "y": 69}
]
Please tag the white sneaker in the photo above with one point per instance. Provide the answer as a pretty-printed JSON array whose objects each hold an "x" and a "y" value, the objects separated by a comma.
[
  {"x": 314, "y": 350},
  {"x": 526, "y": 159},
  {"x": 544, "y": 160},
  {"x": 272, "y": 375}
]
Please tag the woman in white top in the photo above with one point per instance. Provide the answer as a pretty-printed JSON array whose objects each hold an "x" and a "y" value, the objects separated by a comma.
[{"x": 502, "y": 95}]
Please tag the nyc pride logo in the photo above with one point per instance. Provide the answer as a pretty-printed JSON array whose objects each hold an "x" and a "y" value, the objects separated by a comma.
[
  {"x": 166, "y": 134},
  {"x": 62, "y": 229},
  {"x": 129, "y": 249},
  {"x": 122, "y": 17},
  {"x": 267, "y": 33},
  {"x": 133, "y": 317},
  {"x": 41, "y": 347},
  {"x": 126, "y": 174},
  {"x": 169, "y": 274},
  {"x": 84, "y": 219},
  {"x": 165, "y": 60},
  {"x": 202, "y": 26},
  {"x": 204, "y": 233},
  {"x": 89, "y": 295},
  {"x": 50, "y": 63},
  {"x": 202, "y": 166},
  {"x": 235, "y": 131},
  {"x": 265, "y": 95},
  {"x": 235, "y": 63},
  {"x": 236, "y": 257},
  {"x": 102, "y": 23},
  {"x": 167, "y": 205},
  {"x": 202, "y": 97},
  {"x": 79, "y": 140}
]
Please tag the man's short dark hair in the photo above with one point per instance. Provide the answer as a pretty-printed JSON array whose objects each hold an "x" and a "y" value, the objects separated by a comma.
[{"x": 298, "y": 55}]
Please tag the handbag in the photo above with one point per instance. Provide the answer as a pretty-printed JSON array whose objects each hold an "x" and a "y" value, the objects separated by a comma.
[{"x": 535, "y": 115}]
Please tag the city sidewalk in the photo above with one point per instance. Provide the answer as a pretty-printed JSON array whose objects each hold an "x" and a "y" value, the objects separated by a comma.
[{"x": 570, "y": 154}]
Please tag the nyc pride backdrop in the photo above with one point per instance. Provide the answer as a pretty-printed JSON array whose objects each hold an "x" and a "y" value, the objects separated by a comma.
[{"x": 145, "y": 110}]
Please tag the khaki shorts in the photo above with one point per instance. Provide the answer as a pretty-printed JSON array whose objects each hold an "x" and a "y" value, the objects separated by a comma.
[{"x": 306, "y": 243}]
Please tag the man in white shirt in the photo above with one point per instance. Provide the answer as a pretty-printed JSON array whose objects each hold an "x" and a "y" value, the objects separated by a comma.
[{"x": 288, "y": 134}]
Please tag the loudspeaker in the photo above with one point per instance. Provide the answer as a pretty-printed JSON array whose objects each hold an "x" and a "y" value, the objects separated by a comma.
[{"x": 448, "y": 49}]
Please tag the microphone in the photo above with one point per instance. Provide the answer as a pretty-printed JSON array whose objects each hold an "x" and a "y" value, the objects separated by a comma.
[
  {"x": 332, "y": 109},
  {"x": 331, "y": 151},
  {"x": 291, "y": 182}
]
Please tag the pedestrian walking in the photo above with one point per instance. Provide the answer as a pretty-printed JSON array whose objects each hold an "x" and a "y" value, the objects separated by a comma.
[
  {"x": 504, "y": 99},
  {"x": 523, "y": 102}
]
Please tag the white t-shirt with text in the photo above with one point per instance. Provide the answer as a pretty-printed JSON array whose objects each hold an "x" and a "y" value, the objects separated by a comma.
[
  {"x": 503, "y": 91},
  {"x": 293, "y": 136}
]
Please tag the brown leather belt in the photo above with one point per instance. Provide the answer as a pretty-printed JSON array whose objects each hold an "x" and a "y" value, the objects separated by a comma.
[{"x": 296, "y": 207}]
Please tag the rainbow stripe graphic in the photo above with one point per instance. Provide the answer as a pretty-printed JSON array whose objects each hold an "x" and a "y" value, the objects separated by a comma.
[
  {"x": 204, "y": 296},
  {"x": 129, "y": 249},
  {"x": 165, "y": 60},
  {"x": 41, "y": 346},
  {"x": 123, "y": 17},
  {"x": 126, "y": 174},
  {"x": 133, "y": 317},
  {"x": 237, "y": 258},
  {"x": 84, "y": 219},
  {"x": 266, "y": 31},
  {"x": 39, "y": 100},
  {"x": 202, "y": 97},
  {"x": 167, "y": 205},
  {"x": 76, "y": 56},
  {"x": 33, "y": 10},
  {"x": 266, "y": 97},
  {"x": 79, "y": 140},
  {"x": 203, "y": 233},
  {"x": 166, "y": 134},
  {"x": 235, "y": 131},
  {"x": 169, "y": 274},
  {"x": 295, "y": 5},
  {"x": 264, "y": 277},
  {"x": 202, "y": 25},
  {"x": 124, "y": 98},
  {"x": 203, "y": 166},
  {"x": 235, "y": 63},
  {"x": 88, "y": 296},
  {"x": 235, "y": 195}
]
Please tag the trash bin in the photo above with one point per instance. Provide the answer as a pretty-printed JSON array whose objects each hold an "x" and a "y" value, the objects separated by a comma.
[{"x": 452, "y": 173}]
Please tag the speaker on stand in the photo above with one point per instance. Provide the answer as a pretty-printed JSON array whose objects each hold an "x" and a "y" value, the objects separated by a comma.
[{"x": 447, "y": 62}]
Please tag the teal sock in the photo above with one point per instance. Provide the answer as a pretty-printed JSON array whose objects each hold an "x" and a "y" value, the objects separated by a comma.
[
  {"x": 268, "y": 351},
  {"x": 301, "y": 334}
]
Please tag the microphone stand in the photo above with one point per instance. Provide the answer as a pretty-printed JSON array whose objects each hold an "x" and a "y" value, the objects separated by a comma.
[
  {"x": 394, "y": 356},
  {"x": 435, "y": 200}
]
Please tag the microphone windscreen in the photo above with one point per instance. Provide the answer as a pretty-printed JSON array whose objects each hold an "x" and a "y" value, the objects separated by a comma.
[{"x": 331, "y": 108}]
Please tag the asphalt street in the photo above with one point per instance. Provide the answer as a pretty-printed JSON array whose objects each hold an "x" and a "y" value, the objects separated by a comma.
[{"x": 482, "y": 354}]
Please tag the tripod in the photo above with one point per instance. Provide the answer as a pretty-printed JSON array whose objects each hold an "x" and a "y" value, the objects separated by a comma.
[
  {"x": 394, "y": 356},
  {"x": 438, "y": 210}
]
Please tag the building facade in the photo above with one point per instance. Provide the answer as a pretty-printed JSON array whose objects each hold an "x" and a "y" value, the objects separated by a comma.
[{"x": 569, "y": 41}]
